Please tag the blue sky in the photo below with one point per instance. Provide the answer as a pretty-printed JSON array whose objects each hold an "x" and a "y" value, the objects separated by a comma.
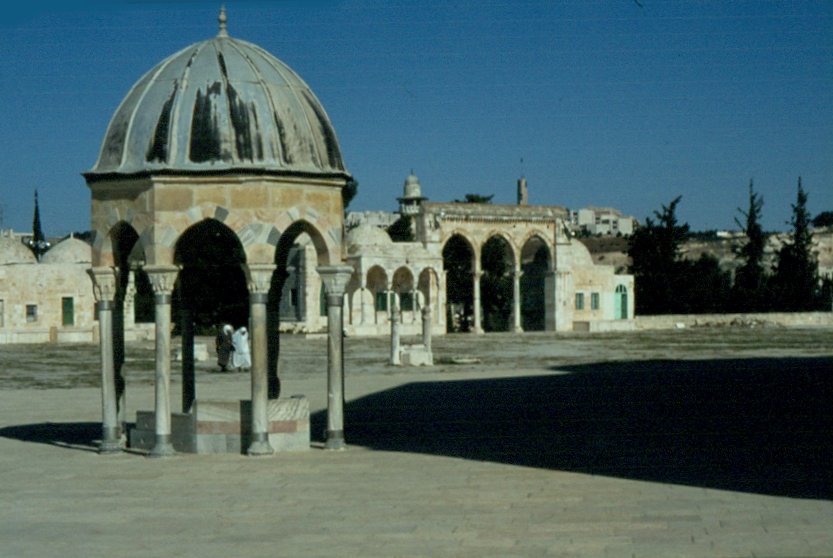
[{"x": 620, "y": 103}]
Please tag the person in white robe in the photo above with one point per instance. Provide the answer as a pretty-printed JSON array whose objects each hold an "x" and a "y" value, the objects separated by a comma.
[{"x": 241, "y": 358}]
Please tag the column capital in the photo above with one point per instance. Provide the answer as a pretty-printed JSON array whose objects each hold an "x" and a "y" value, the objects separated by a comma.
[
  {"x": 259, "y": 277},
  {"x": 104, "y": 283},
  {"x": 162, "y": 278},
  {"x": 335, "y": 277}
]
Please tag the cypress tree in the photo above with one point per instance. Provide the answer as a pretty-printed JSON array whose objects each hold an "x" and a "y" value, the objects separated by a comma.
[
  {"x": 750, "y": 277},
  {"x": 656, "y": 262},
  {"x": 796, "y": 281}
]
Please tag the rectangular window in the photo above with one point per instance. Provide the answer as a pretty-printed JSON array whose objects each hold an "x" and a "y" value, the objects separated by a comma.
[
  {"x": 382, "y": 301},
  {"x": 31, "y": 313},
  {"x": 67, "y": 311},
  {"x": 579, "y": 301},
  {"x": 594, "y": 301}
]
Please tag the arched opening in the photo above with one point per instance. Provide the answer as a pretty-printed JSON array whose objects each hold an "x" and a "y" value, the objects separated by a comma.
[
  {"x": 620, "y": 298},
  {"x": 496, "y": 284},
  {"x": 429, "y": 290},
  {"x": 211, "y": 285},
  {"x": 127, "y": 255},
  {"x": 458, "y": 258},
  {"x": 377, "y": 284},
  {"x": 296, "y": 290},
  {"x": 210, "y": 290},
  {"x": 535, "y": 264},
  {"x": 403, "y": 287}
]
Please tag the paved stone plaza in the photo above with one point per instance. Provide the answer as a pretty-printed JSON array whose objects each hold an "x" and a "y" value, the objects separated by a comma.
[{"x": 706, "y": 442}]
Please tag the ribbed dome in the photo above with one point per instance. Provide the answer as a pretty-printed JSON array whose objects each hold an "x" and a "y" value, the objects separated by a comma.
[
  {"x": 70, "y": 250},
  {"x": 12, "y": 251},
  {"x": 220, "y": 105}
]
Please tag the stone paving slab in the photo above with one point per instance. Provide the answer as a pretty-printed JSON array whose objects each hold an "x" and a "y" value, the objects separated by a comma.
[{"x": 61, "y": 499}]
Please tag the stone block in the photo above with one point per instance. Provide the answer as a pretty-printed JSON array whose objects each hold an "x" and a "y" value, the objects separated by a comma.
[
  {"x": 200, "y": 352},
  {"x": 415, "y": 355}
]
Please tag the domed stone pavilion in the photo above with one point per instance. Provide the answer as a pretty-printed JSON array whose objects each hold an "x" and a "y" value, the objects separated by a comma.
[{"x": 215, "y": 162}]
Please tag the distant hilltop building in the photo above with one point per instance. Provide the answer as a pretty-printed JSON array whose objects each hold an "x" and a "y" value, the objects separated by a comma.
[{"x": 601, "y": 221}]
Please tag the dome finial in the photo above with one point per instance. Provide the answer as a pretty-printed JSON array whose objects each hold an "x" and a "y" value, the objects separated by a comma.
[{"x": 222, "y": 20}]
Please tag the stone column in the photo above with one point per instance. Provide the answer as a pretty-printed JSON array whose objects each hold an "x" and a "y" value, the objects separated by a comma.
[
  {"x": 394, "y": 335},
  {"x": 259, "y": 280},
  {"x": 477, "y": 326},
  {"x": 104, "y": 291},
  {"x": 362, "y": 304},
  {"x": 335, "y": 278},
  {"x": 162, "y": 279},
  {"x": 426, "y": 327},
  {"x": 516, "y": 300}
]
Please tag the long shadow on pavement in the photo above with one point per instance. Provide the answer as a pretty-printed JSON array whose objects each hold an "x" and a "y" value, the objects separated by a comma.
[
  {"x": 72, "y": 435},
  {"x": 752, "y": 425}
]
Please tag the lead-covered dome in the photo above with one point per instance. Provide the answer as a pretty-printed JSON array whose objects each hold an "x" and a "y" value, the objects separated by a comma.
[{"x": 220, "y": 105}]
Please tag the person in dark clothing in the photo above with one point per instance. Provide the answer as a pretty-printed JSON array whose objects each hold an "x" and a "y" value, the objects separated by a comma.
[{"x": 224, "y": 346}]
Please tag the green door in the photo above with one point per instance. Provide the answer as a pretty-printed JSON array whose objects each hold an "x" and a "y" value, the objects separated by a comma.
[
  {"x": 621, "y": 299},
  {"x": 67, "y": 311}
]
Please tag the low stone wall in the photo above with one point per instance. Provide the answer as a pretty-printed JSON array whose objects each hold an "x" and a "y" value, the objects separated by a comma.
[{"x": 782, "y": 319}]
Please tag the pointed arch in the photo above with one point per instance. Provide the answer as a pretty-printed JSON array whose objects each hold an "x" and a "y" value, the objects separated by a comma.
[
  {"x": 497, "y": 259},
  {"x": 536, "y": 263},
  {"x": 458, "y": 264}
]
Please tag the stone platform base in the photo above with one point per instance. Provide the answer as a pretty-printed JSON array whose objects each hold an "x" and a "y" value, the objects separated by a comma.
[
  {"x": 215, "y": 426},
  {"x": 415, "y": 355}
]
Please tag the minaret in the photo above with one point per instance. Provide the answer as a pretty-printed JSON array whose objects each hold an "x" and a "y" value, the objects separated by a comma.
[
  {"x": 38, "y": 243},
  {"x": 523, "y": 195}
]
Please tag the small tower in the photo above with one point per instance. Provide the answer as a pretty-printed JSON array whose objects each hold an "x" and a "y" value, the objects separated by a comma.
[
  {"x": 523, "y": 195},
  {"x": 412, "y": 197},
  {"x": 38, "y": 242}
]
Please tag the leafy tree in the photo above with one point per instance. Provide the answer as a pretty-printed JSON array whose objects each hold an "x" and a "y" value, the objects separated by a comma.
[
  {"x": 657, "y": 266},
  {"x": 750, "y": 278},
  {"x": 705, "y": 288},
  {"x": 476, "y": 198},
  {"x": 796, "y": 282},
  {"x": 401, "y": 230},
  {"x": 823, "y": 219},
  {"x": 349, "y": 191}
]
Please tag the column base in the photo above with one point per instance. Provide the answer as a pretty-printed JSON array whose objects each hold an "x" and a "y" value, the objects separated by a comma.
[
  {"x": 335, "y": 440},
  {"x": 110, "y": 441},
  {"x": 517, "y": 329},
  {"x": 163, "y": 447},
  {"x": 477, "y": 330},
  {"x": 260, "y": 446}
]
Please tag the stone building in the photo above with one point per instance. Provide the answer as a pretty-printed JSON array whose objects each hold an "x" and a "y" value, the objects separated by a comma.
[{"x": 51, "y": 301}]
